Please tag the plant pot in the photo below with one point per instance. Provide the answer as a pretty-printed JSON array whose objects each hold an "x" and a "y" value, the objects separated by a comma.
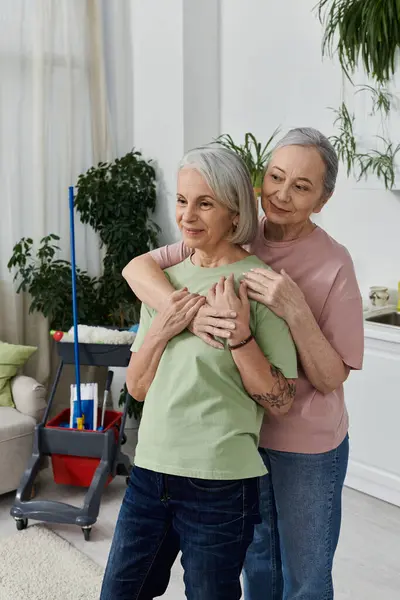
[
  {"x": 257, "y": 194},
  {"x": 257, "y": 198}
]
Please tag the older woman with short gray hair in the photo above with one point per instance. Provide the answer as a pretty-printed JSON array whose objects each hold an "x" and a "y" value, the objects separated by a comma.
[
  {"x": 194, "y": 486},
  {"x": 313, "y": 287}
]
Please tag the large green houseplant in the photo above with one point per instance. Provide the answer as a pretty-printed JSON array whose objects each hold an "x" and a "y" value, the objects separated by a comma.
[{"x": 116, "y": 199}]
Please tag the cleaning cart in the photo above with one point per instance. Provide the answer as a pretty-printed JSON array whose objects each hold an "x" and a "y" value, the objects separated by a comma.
[
  {"x": 80, "y": 457},
  {"x": 83, "y": 458}
]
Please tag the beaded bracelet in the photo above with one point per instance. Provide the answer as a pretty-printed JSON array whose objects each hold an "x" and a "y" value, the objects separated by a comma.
[{"x": 242, "y": 343}]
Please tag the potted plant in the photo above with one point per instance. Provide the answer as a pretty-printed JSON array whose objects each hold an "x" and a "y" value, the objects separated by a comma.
[
  {"x": 254, "y": 154},
  {"x": 116, "y": 199}
]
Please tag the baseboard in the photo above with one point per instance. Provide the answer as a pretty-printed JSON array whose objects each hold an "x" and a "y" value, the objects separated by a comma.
[{"x": 374, "y": 482}]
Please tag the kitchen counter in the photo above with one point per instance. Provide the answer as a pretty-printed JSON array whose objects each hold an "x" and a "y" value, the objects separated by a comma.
[{"x": 380, "y": 331}]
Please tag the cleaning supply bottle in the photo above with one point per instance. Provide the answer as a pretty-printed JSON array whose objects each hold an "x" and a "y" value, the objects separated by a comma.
[{"x": 398, "y": 297}]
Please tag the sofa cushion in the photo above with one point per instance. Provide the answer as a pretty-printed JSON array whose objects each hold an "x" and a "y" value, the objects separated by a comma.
[
  {"x": 29, "y": 396},
  {"x": 14, "y": 424},
  {"x": 12, "y": 358}
]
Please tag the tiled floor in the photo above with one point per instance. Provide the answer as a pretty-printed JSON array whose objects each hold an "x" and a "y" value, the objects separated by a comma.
[{"x": 367, "y": 561}]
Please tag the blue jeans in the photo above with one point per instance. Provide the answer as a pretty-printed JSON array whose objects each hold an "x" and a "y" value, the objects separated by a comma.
[
  {"x": 211, "y": 522},
  {"x": 301, "y": 506}
]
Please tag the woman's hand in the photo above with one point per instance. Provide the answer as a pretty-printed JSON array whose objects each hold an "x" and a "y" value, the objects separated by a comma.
[
  {"x": 177, "y": 312},
  {"x": 277, "y": 291},
  {"x": 210, "y": 323},
  {"x": 222, "y": 296}
]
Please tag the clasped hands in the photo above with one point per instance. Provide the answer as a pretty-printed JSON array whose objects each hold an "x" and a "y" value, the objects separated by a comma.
[
  {"x": 224, "y": 313},
  {"x": 277, "y": 291}
]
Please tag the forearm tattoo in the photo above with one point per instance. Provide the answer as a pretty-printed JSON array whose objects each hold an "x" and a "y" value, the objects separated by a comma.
[{"x": 282, "y": 393}]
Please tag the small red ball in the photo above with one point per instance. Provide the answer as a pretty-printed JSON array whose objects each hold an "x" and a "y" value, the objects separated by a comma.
[{"x": 57, "y": 335}]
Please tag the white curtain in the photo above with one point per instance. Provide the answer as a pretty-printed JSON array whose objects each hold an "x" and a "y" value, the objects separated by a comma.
[{"x": 55, "y": 122}]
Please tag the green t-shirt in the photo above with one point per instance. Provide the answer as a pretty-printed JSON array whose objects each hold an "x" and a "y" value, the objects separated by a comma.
[{"x": 198, "y": 420}]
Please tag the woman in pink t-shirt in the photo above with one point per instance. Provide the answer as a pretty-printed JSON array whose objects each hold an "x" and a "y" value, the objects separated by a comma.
[{"x": 313, "y": 286}]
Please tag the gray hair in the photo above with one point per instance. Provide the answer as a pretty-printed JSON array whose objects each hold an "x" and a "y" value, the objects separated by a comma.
[
  {"x": 307, "y": 136},
  {"x": 228, "y": 177}
]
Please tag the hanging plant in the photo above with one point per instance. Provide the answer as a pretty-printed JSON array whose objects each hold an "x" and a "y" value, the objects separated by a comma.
[
  {"x": 345, "y": 142},
  {"x": 361, "y": 164},
  {"x": 381, "y": 98},
  {"x": 363, "y": 33},
  {"x": 382, "y": 164}
]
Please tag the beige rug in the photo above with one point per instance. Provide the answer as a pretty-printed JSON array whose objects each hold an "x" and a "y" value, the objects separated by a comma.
[{"x": 36, "y": 564}]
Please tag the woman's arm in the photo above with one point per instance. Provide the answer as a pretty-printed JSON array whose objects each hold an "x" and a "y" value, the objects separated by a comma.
[
  {"x": 323, "y": 365},
  {"x": 143, "y": 366},
  {"x": 145, "y": 277},
  {"x": 154, "y": 335},
  {"x": 262, "y": 381}
]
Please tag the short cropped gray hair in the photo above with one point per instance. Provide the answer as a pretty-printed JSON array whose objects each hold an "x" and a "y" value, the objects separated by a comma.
[
  {"x": 307, "y": 136},
  {"x": 229, "y": 179}
]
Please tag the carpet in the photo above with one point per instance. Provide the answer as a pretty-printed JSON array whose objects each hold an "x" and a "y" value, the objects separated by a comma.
[{"x": 37, "y": 564}]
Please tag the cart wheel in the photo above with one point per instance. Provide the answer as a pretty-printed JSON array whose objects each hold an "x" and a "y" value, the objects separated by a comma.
[
  {"x": 123, "y": 439},
  {"x": 21, "y": 524},
  {"x": 86, "y": 533}
]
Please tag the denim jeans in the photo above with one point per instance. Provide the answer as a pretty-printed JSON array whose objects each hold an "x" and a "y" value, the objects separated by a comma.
[
  {"x": 210, "y": 522},
  {"x": 300, "y": 503}
]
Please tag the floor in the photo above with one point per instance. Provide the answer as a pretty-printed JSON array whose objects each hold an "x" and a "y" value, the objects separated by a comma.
[{"x": 367, "y": 562}]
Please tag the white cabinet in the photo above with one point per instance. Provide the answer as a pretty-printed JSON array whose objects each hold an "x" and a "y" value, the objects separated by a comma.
[{"x": 373, "y": 401}]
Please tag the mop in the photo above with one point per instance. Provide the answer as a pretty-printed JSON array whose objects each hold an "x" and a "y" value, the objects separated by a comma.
[
  {"x": 78, "y": 417},
  {"x": 84, "y": 397}
]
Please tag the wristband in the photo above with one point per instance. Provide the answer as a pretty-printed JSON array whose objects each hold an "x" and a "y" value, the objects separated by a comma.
[{"x": 242, "y": 343}]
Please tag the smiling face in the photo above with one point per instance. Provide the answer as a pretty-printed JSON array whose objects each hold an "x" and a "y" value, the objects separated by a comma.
[
  {"x": 203, "y": 221},
  {"x": 293, "y": 186}
]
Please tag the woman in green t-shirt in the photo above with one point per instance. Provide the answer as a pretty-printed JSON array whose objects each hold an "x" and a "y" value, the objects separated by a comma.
[{"x": 194, "y": 486}]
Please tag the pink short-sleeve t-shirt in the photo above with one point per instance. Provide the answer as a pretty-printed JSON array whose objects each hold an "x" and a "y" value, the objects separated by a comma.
[{"x": 324, "y": 271}]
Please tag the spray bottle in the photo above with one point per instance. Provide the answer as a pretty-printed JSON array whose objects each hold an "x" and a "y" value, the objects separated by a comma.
[{"x": 398, "y": 297}]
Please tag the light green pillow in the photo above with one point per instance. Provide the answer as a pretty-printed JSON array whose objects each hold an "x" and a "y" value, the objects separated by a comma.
[{"x": 12, "y": 358}]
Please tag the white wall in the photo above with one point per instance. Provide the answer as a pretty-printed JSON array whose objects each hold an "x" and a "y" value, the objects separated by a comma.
[
  {"x": 273, "y": 75},
  {"x": 263, "y": 70},
  {"x": 158, "y": 94},
  {"x": 176, "y": 88}
]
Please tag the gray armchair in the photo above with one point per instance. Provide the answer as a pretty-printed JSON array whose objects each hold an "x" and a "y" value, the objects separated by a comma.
[{"x": 16, "y": 429}]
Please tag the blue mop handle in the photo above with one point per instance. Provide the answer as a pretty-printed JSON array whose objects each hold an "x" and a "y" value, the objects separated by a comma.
[{"x": 74, "y": 300}]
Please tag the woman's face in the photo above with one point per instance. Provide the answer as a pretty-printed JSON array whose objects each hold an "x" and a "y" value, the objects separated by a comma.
[
  {"x": 293, "y": 185},
  {"x": 203, "y": 221}
]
